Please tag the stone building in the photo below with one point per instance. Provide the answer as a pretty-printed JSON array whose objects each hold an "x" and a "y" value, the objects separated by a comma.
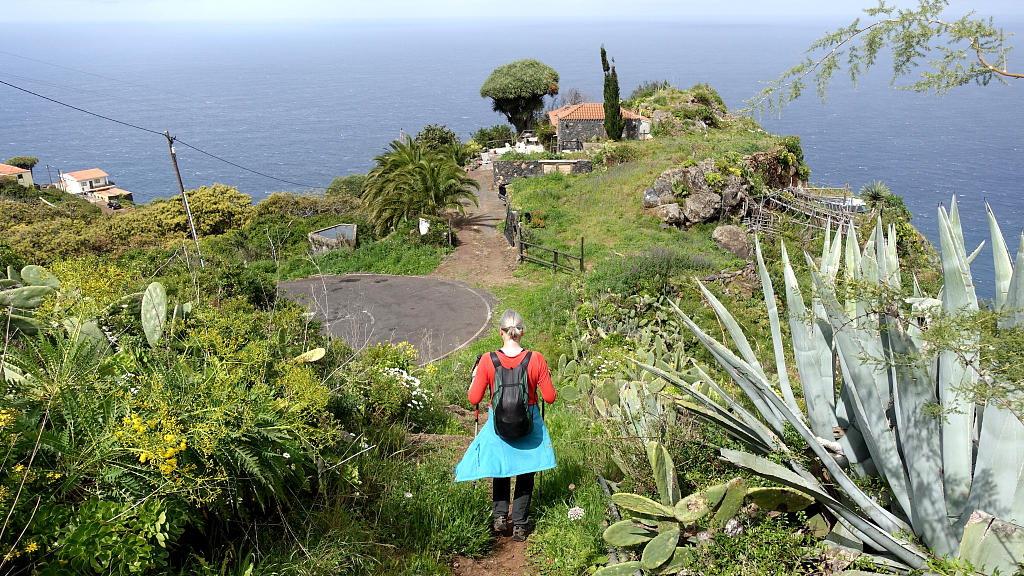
[{"x": 578, "y": 123}]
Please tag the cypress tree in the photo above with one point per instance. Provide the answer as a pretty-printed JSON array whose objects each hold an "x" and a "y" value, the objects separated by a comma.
[{"x": 613, "y": 121}]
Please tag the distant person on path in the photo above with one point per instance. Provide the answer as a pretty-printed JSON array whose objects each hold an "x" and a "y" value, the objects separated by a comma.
[{"x": 493, "y": 456}]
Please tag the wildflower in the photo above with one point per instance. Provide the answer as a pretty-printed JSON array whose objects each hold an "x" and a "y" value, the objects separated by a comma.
[
  {"x": 572, "y": 487},
  {"x": 286, "y": 455},
  {"x": 408, "y": 494},
  {"x": 576, "y": 513},
  {"x": 31, "y": 547},
  {"x": 733, "y": 527},
  {"x": 18, "y": 467}
]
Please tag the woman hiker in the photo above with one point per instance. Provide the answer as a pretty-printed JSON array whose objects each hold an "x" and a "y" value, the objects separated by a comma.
[{"x": 493, "y": 456}]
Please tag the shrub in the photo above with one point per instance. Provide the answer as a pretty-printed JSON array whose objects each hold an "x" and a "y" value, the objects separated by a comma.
[
  {"x": 436, "y": 137},
  {"x": 705, "y": 95},
  {"x": 648, "y": 88},
  {"x": 350, "y": 185},
  {"x": 649, "y": 272},
  {"x": 495, "y": 136},
  {"x": 613, "y": 154}
]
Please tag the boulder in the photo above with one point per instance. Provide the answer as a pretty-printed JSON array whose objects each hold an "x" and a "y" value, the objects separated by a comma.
[
  {"x": 701, "y": 206},
  {"x": 732, "y": 239},
  {"x": 670, "y": 213},
  {"x": 660, "y": 116},
  {"x": 733, "y": 193}
]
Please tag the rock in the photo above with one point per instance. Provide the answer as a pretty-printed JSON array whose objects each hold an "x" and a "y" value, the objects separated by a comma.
[
  {"x": 651, "y": 198},
  {"x": 670, "y": 213},
  {"x": 660, "y": 116},
  {"x": 733, "y": 193},
  {"x": 732, "y": 239},
  {"x": 700, "y": 207}
]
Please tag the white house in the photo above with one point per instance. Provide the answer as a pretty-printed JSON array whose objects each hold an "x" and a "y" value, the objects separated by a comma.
[
  {"x": 92, "y": 182},
  {"x": 24, "y": 177}
]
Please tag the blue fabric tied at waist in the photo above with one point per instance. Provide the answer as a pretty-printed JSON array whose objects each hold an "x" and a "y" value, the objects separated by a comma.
[{"x": 491, "y": 456}]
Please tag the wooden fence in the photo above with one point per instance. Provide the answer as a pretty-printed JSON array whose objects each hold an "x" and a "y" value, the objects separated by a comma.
[{"x": 514, "y": 235}]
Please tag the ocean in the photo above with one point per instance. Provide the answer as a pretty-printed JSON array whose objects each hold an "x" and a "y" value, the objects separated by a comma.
[{"x": 309, "y": 101}]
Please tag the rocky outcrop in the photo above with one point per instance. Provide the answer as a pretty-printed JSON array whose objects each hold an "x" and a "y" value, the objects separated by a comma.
[
  {"x": 701, "y": 192},
  {"x": 772, "y": 171},
  {"x": 732, "y": 239},
  {"x": 670, "y": 213}
]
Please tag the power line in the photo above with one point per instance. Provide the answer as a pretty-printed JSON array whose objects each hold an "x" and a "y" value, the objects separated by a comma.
[
  {"x": 108, "y": 118},
  {"x": 161, "y": 134}
]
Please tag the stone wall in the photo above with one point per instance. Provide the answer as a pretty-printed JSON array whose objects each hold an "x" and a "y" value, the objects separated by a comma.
[
  {"x": 506, "y": 171},
  {"x": 586, "y": 130}
]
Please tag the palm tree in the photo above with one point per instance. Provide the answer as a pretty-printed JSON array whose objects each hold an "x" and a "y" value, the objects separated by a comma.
[
  {"x": 411, "y": 180},
  {"x": 875, "y": 193}
]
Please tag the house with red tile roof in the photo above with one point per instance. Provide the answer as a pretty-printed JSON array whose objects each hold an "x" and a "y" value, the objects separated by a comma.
[
  {"x": 23, "y": 176},
  {"x": 92, "y": 182},
  {"x": 578, "y": 123}
]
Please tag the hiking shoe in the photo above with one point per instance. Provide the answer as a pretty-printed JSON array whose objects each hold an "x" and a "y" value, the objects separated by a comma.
[
  {"x": 519, "y": 532},
  {"x": 500, "y": 524}
]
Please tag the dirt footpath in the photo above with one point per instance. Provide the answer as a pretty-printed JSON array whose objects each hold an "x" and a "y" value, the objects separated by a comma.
[{"x": 483, "y": 258}]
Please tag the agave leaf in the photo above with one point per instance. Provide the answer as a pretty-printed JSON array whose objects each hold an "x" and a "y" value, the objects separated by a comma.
[
  {"x": 763, "y": 407},
  {"x": 999, "y": 466},
  {"x": 749, "y": 419},
  {"x": 735, "y": 332},
  {"x": 991, "y": 544},
  {"x": 973, "y": 255},
  {"x": 867, "y": 381},
  {"x": 741, "y": 372},
  {"x": 1015, "y": 293},
  {"x": 903, "y": 550},
  {"x": 956, "y": 229},
  {"x": 851, "y": 270},
  {"x": 745, "y": 426},
  {"x": 773, "y": 319},
  {"x": 957, "y": 296},
  {"x": 922, "y": 451},
  {"x": 809, "y": 352},
  {"x": 731, "y": 427},
  {"x": 892, "y": 260}
]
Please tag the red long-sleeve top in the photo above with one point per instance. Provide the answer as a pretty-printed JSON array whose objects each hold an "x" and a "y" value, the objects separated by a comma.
[{"x": 537, "y": 375}]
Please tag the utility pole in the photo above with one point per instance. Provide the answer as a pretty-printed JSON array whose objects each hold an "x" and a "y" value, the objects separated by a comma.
[
  {"x": 49, "y": 175},
  {"x": 184, "y": 198}
]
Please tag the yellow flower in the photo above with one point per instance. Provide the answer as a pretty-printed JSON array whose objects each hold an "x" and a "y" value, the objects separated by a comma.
[
  {"x": 31, "y": 547},
  {"x": 169, "y": 438},
  {"x": 18, "y": 467}
]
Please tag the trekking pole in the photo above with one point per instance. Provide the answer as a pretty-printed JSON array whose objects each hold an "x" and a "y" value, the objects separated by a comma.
[{"x": 541, "y": 480}]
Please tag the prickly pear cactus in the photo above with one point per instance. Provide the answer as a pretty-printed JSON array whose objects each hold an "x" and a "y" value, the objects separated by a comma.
[
  {"x": 659, "y": 525},
  {"x": 21, "y": 293},
  {"x": 154, "y": 313}
]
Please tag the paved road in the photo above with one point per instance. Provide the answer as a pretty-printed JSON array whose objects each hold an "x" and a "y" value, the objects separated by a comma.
[{"x": 437, "y": 316}]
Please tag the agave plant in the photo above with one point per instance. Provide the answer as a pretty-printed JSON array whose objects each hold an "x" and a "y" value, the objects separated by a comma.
[{"x": 956, "y": 478}]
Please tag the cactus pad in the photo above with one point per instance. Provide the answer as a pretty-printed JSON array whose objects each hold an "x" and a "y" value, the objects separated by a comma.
[
  {"x": 641, "y": 504},
  {"x": 33, "y": 275},
  {"x": 736, "y": 490},
  {"x": 154, "y": 312},
  {"x": 779, "y": 499},
  {"x": 692, "y": 508},
  {"x": 623, "y": 569},
  {"x": 627, "y": 533},
  {"x": 660, "y": 549}
]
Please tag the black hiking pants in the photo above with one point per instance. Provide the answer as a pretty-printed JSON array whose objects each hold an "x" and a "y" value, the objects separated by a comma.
[{"x": 500, "y": 492}]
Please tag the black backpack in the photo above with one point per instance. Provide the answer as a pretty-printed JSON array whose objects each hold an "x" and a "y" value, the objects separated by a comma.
[{"x": 511, "y": 399}]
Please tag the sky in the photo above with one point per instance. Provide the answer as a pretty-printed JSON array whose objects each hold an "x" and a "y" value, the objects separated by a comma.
[{"x": 446, "y": 10}]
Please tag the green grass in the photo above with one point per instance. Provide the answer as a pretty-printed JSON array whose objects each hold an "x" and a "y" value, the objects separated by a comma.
[{"x": 388, "y": 256}]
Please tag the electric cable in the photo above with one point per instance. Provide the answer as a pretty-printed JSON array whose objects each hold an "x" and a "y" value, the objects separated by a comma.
[{"x": 161, "y": 134}]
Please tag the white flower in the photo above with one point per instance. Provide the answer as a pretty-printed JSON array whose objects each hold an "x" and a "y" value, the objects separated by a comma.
[
  {"x": 286, "y": 455},
  {"x": 408, "y": 494},
  {"x": 733, "y": 527},
  {"x": 576, "y": 513}
]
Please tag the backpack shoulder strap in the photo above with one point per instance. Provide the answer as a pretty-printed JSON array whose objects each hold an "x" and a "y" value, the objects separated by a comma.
[
  {"x": 526, "y": 359},
  {"x": 497, "y": 367}
]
